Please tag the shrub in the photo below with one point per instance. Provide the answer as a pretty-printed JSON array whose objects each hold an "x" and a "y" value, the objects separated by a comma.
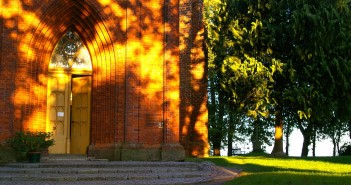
[
  {"x": 25, "y": 142},
  {"x": 345, "y": 150}
]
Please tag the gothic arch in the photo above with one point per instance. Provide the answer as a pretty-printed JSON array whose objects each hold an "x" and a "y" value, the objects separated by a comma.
[{"x": 39, "y": 42}]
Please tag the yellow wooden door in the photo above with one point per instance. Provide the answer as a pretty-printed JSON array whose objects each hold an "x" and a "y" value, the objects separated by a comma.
[
  {"x": 80, "y": 119},
  {"x": 57, "y": 107}
]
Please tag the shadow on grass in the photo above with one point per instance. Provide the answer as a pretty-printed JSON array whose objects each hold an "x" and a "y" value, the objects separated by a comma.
[
  {"x": 335, "y": 160},
  {"x": 290, "y": 178}
]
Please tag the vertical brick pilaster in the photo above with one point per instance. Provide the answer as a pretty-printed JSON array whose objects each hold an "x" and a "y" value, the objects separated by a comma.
[
  {"x": 132, "y": 78},
  {"x": 193, "y": 82},
  {"x": 8, "y": 59},
  {"x": 172, "y": 71}
]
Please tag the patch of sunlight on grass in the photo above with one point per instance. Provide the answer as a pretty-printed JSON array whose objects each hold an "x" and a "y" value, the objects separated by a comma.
[
  {"x": 265, "y": 170},
  {"x": 291, "y": 164}
]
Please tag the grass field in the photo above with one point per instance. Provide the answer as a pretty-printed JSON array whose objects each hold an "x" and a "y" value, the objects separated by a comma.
[{"x": 265, "y": 170}]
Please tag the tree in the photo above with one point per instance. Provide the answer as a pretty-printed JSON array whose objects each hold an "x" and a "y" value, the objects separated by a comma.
[
  {"x": 233, "y": 126},
  {"x": 242, "y": 58},
  {"x": 335, "y": 130},
  {"x": 216, "y": 116},
  {"x": 290, "y": 120},
  {"x": 315, "y": 68},
  {"x": 266, "y": 59},
  {"x": 261, "y": 133},
  {"x": 215, "y": 102},
  {"x": 322, "y": 68}
]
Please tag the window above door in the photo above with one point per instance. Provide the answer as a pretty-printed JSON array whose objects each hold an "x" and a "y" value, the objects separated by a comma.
[{"x": 70, "y": 53}]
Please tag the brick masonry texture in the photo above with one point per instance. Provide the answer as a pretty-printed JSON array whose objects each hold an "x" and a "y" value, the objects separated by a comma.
[{"x": 149, "y": 87}]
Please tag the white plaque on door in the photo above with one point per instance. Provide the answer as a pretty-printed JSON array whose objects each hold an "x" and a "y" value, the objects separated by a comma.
[{"x": 60, "y": 114}]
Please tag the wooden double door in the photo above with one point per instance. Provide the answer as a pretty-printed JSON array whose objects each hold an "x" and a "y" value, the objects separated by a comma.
[{"x": 68, "y": 113}]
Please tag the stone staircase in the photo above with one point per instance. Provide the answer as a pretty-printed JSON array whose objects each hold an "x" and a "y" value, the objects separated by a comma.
[{"x": 75, "y": 169}]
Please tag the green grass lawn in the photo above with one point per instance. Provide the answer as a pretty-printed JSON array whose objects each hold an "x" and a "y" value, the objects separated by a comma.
[{"x": 264, "y": 170}]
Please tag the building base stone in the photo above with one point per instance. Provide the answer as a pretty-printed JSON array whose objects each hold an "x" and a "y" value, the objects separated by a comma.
[
  {"x": 198, "y": 149},
  {"x": 138, "y": 152},
  {"x": 172, "y": 152},
  {"x": 111, "y": 152}
]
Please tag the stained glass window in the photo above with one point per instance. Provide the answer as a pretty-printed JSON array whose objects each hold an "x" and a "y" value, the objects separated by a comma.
[{"x": 70, "y": 52}]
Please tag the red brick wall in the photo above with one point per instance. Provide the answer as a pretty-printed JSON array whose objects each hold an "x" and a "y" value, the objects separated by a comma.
[
  {"x": 7, "y": 65},
  {"x": 193, "y": 80},
  {"x": 149, "y": 77}
]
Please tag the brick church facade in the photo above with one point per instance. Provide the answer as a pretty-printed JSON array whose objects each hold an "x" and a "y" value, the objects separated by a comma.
[{"x": 142, "y": 94}]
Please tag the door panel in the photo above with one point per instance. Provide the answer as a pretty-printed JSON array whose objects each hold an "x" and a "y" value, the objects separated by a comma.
[
  {"x": 57, "y": 117},
  {"x": 80, "y": 123}
]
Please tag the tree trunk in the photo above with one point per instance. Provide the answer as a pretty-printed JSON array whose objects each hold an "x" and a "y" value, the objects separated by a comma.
[
  {"x": 307, "y": 134},
  {"x": 230, "y": 146},
  {"x": 230, "y": 134},
  {"x": 338, "y": 140},
  {"x": 217, "y": 148},
  {"x": 256, "y": 143},
  {"x": 219, "y": 127},
  {"x": 212, "y": 112},
  {"x": 314, "y": 142},
  {"x": 287, "y": 138},
  {"x": 334, "y": 146},
  {"x": 278, "y": 136},
  {"x": 306, "y": 143}
]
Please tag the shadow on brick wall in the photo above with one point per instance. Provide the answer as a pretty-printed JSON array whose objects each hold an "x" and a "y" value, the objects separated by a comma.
[{"x": 139, "y": 58}]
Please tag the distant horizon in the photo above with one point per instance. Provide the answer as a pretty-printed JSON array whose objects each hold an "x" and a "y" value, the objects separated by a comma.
[{"x": 324, "y": 147}]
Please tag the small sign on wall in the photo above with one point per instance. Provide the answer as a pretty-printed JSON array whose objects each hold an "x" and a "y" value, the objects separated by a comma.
[{"x": 60, "y": 114}]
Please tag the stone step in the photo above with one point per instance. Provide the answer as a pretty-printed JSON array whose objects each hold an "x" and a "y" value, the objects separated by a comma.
[
  {"x": 98, "y": 176},
  {"x": 110, "y": 172},
  {"x": 172, "y": 181},
  {"x": 101, "y": 164},
  {"x": 69, "y": 157},
  {"x": 100, "y": 170}
]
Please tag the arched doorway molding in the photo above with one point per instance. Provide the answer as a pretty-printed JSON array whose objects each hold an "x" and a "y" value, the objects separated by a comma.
[{"x": 37, "y": 46}]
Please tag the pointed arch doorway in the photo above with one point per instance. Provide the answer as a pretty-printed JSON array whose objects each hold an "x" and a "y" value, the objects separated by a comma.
[{"x": 68, "y": 96}]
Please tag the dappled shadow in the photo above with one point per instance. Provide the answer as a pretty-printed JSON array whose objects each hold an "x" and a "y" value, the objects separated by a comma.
[
  {"x": 287, "y": 178},
  {"x": 137, "y": 68},
  {"x": 8, "y": 51},
  {"x": 194, "y": 115},
  {"x": 335, "y": 160}
]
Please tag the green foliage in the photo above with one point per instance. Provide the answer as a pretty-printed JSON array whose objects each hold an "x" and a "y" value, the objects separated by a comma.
[
  {"x": 290, "y": 56},
  {"x": 24, "y": 142},
  {"x": 242, "y": 62},
  {"x": 322, "y": 66},
  {"x": 345, "y": 150}
]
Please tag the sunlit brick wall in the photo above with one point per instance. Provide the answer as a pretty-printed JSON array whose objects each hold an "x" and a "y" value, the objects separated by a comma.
[
  {"x": 8, "y": 57},
  {"x": 193, "y": 79},
  {"x": 149, "y": 77}
]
